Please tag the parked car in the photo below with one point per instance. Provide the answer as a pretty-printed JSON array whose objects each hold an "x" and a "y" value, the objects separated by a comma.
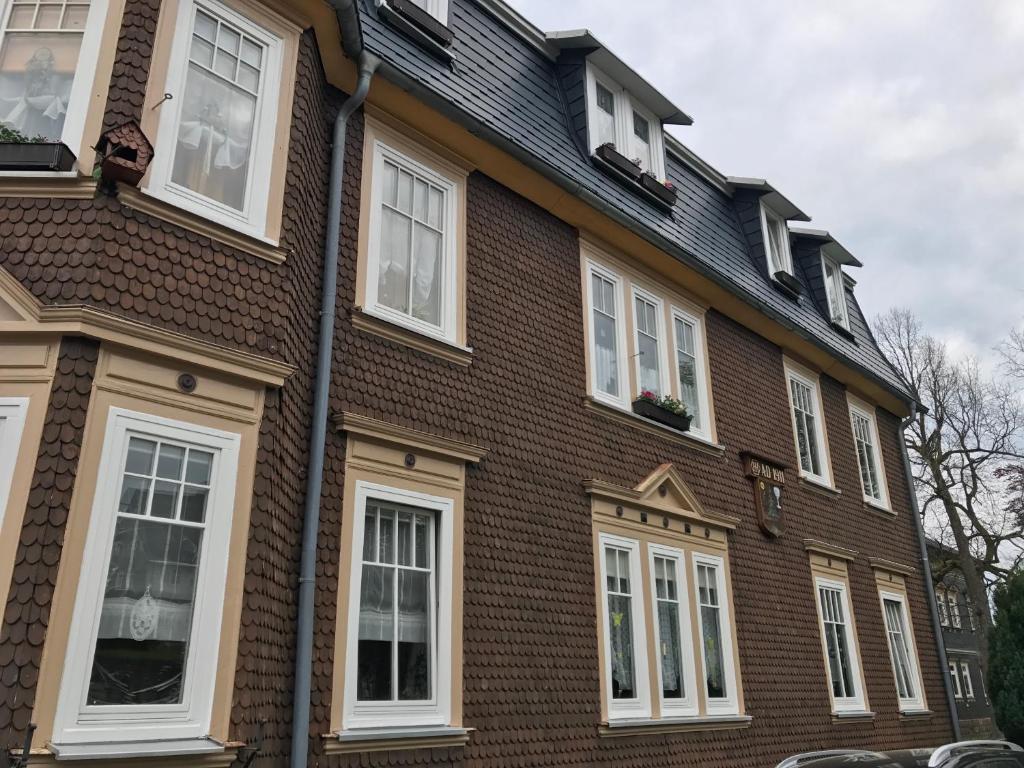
[{"x": 964, "y": 754}]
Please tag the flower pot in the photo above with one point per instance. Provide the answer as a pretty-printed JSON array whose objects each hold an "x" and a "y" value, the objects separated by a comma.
[
  {"x": 618, "y": 162},
  {"x": 667, "y": 195},
  {"x": 787, "y": 281},
  {"x": 649, "y": 410},
  {"x": 35, "y": 156},
  {"x": 424, "y": 21}
]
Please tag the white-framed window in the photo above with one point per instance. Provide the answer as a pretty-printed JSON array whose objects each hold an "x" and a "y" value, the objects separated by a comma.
[
  {"x": 965, "y": 670},
  {"x": 398, "y": 660},
  {"x": 609, "y": 378},
  {"x": 216, "y": 136},
  {"x": 625, "y": 640},
  {"x": 808, "y": 426},
  {"x": 953, "y": 596},
  {"x": 972, "y": 619},
  {"x": 901, "y": 651},
  {"x": 412, "y": 248},
  {"x": 649, "y": 338},
  {"x": 616, "y": 117},
  {"x": 835, "y": 292},
  {"x": 688, "y": 337},
  {"x": 48, "y": 55},
  {"x": 145, "y": 632},
  {"x": 716, "y": 651},
  {"x": 954, "y": 677},
  {"x": 776, "y": 241},
  {"x": 672, "y": 633},
  {"x": 841, "y": 661},
  {"x": 12, "y": 423},
  {"x": 943, "y": 606},
  {"x": 865, "y": 438}
]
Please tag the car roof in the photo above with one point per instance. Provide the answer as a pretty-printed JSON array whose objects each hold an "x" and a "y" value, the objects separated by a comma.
[
  {"x": 903, "y": 758},
  {"x": 994, "y": 758}
]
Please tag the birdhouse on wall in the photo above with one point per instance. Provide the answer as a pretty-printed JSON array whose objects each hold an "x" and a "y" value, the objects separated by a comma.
[{"x": 125, "y": 154}]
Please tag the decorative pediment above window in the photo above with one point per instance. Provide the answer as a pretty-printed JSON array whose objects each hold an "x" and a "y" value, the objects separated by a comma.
[{"x": 662, "y": 499}]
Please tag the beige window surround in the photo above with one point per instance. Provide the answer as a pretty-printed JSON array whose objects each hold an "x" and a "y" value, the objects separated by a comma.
[
  {"x": 891, "y": 582},
  {"x": 661, "y": 517}
]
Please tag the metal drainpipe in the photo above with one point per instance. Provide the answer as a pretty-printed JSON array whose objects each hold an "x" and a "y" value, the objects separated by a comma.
[
  {"x": 368, "y": 64},
  {"x": 929, "y": 587}
]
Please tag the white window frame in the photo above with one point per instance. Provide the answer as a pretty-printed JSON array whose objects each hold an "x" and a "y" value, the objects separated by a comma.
[
  {"x": 865, "y": 411},
  {"x": 437, "y": 710},
  {"x": 640, "y": 706},
  {"x": 624, "y": 106},
  {"x": 943, "y": 606},
  {"x": 446, "y": 332},
  {"x": 917, "y": 701},
  {"x": 75, "y": 723},
  {"x": 768, "y": 216},
  {"x": 838, "y": 285},
  {"x": 82, "y": 86},
  {"x": 12, "y": 423},
  {"x": 968, "y": 684},
  {"x": 252, "y": 219},
  {"x": 728, "y": 705},
  {"x": 664, "y": 369},
  {"x": 820, "y": 437},
  {"x": 703, "y": 429},
  {"x": 688, "y": 705},
  {"x": 953, "y": 597},
  {"x": 853, "y": 703},
  {"x": 954, "y": 676},
  {"x": 622, "y": 345}
]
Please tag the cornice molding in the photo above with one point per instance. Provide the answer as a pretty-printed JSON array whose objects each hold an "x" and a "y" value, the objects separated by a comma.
[
  {"x": 889, "y": 566},
  {"x": 829, "y": 550},
  {"x": 407, "y": 438}
]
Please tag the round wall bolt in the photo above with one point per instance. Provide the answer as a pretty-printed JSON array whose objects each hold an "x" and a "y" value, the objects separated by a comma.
[
  {"x": 187, "y": 383},
  {"x": 410, "y": 460}
]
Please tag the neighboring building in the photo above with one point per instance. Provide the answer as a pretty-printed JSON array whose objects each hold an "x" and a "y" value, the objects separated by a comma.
[
  {"x": 512, "y": 567},
  {"x": 960, "y": 628}
]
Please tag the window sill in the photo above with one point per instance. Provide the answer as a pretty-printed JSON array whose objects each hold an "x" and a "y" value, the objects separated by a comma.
[
  {"x": 843, "y": 331},
  {"x": 878, "y": 509},
  {"x": 62, "y": 184},
  {"x": 653, "y": 427},
  {"x": 368, "y": 323},
  {"x": 859, "y": 716},
  {"x": 641, "y": 726},
  {"x": 206, "y": 752},
  {"x": 161, "y": 209},
  {"x": 916, "y": 714},
  {"x": 635, "y": 184},
  {"x": 819, "y": 486},
  {"x": 387, "y": 739}
]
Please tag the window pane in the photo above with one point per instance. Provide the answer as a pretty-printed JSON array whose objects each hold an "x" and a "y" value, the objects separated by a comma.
[
  {"x": 199, "y": 465},
  {"x": 376, "y": 633},
  {"x": 640, "y": 142},
  {"x": 413, "y": 635},
  {"x": 686, "y": 364},
  {"x": 193, "y": 504},
  {"x": 170, "y": 461},
  {"x": 836, "y": 643},
  {"x": 606, "y": 361},
  {"x": 426, "y": 286},
  {"x": 620, "y": 633},
  {"x": 387, "y": 536},
  {"x": 146, "y": 617},
  {"x": 36, "y": 73},
  {"x": 671, "y": 650},
  {"x": 134, "y": 495},
  {"x": 370, "y": 535},
  {"x": 604, "y": 116},
  {"x": 405, "y": 535},
  {"x": 395, "y": 255},
  {"x": 647, "y": 346},
  {"x": 423, "y": 531},
  {"x": 140, "y": 456},
  {"x": 165, "y": 499},
  {"x": 75, "y": 17},
  {"x": 711, "y": 632}
]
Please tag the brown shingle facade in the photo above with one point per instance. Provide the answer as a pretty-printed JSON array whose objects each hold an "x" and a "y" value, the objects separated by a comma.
[{"x": 531, "y": 674}]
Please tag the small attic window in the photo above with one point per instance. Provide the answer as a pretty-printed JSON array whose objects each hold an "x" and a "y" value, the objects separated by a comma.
[
  {"x": 616, "y": 117},
  {"x": 776, "y": 240},
  {"x": 835, "y": 292}
]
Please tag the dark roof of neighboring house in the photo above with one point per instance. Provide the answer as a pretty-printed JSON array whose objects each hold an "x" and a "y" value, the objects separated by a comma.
[{"x": 503, "y": 85}]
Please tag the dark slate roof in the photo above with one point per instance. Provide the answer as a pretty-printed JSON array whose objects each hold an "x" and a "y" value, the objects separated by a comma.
[{"x": 504, "y": 85}]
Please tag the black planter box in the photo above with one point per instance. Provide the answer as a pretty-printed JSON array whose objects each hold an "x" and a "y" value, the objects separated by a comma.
[
  {"x": 619, "y": 162},
  {"x": 424, "y": 21},
  {"x": 788, "y": 282},
  {"x": 649, "y": 410},
  {"x": 667, "y": 195},
  {"x": 30, "y": 156}
]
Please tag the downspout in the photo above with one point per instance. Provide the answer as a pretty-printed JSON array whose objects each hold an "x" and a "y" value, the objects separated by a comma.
[
  {"x": 367, "y": 64},
  {"x": 929, "y": 587}
]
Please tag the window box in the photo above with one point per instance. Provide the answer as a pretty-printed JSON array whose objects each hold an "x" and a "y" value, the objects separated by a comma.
[
  {"x": 664, "y": 193},
  {"x": 618, "y": 162},
  {"x": 788, "y": 283},
  {"x": 424, "y": 20},
  {"x": 649, "y": 410},
  {"x": 35, "y": 156}
]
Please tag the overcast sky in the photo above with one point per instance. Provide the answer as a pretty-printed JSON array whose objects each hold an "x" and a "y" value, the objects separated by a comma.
[{"x": 896, "y": 125}]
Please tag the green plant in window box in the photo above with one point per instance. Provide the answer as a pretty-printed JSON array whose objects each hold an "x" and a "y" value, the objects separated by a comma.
[
  {"x": 10, "y": 135},
  {"x": 664, "y": 409},
  {"x": 20, "y": 152}
]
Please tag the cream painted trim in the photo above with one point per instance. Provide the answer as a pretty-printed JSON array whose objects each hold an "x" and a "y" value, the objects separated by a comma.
[
  {"x": 165, "y": 211},
  {"x": 26, "y": 370},
  {"x": 444, "y": 163},
  {"x": 150, "y": 395},
  {"x": 376, "y": 326},
  {"x": 375, "y": 453},
  {"x": 287, "y": 25},
  {"x": 889, "y": 566},
  {"x": 69, "y": 186},
  {"x": 896, "y": 586},
  {"x": 414, "y": 439},
  {"x": 332, "y": 746},
  {"x": 829, "y": 550},
  {"x": 59, "y": 320},
  {"x": 678, "y": 725},
  {"x": 223, "y": 759}
]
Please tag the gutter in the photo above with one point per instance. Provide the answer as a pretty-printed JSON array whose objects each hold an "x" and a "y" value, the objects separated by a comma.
[
  {"x": 929, "y": 587},
  {"x": 348, "y": 19}
]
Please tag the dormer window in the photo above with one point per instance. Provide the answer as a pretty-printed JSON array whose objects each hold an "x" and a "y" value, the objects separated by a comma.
[
  {"x": 776, "y": 239},
  {"x": 616, "y": 117},
  {"x": 436, "y": 8},
  {"x": 835, "y": 291}
]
